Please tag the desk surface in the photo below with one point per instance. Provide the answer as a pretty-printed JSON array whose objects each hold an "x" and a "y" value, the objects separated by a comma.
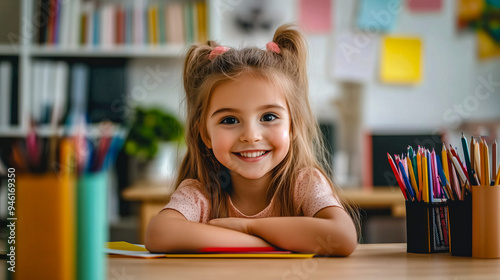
[{"x": 369, "y": 261}]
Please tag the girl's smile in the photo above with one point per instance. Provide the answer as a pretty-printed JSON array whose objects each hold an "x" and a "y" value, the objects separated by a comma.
[
  {"x": 252, "y": 155},
  {"x": 248, "y": 126}
]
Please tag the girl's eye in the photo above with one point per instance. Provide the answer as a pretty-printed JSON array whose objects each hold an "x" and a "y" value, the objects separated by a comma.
[
  {"x": 229, "y": 120},
  {"x": 268, "y": 117}
]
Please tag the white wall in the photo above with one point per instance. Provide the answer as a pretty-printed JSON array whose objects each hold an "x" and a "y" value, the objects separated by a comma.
[{"x": 452, "y": 71}]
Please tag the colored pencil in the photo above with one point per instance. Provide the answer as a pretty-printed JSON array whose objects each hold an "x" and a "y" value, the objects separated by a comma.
[
  {"x": 444, "y": 155},
  {"x": 398, "y": 177},
  {"x": 412, "y": 177},
  {"x": 494, "y": 160},
  {"x": 497, "y": 180},
  {"x": 477, "y": 161},
  {"x": 430, "y": 177},
  {"x": 486, "y": 165},
  {"x": 467, "y": 157},
  {"x": 406, "y": 181}
]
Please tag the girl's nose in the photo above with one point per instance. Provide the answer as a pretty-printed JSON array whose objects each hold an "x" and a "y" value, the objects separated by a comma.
[{"x": 251, "y": 133}]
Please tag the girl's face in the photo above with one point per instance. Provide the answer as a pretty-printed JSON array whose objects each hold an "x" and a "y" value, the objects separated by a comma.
[{"x": 248, "y": 126}]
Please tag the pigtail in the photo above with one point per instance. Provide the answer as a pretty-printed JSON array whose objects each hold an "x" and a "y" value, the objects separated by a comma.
[
  {"x": 196, "y": 60},
  {"x": 199, "y": 162},
  {"x": 293, "y": 47}
]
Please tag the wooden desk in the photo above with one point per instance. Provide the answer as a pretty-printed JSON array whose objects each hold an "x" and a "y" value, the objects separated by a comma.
[
  {"x": 154, "y": 197},
  {"x": 369, "y": 261}
]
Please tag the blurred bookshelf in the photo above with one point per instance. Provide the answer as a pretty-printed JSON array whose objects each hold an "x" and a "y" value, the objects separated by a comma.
[
  {"x": 166, "y": 51},
  {"x": 43, "y": 41}
]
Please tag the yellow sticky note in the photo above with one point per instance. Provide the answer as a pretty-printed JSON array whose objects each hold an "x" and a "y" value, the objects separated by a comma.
[{"x": 401, "y": 60}]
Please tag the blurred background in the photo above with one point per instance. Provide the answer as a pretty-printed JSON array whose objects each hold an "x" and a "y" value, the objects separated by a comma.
[{"x": 383, "y": 74}]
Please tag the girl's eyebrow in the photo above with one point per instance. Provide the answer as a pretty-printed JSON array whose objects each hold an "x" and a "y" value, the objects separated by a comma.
[{"x": 232, "y": 110}]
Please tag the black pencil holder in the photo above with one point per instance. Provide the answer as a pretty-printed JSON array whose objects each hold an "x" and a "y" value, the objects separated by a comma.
[
  {"x": 427, "y": 227},
  {"x": 461, "y": 227}
]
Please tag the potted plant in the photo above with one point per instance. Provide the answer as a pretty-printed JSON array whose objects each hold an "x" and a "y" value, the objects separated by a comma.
[{"x": 154, "y": 142}]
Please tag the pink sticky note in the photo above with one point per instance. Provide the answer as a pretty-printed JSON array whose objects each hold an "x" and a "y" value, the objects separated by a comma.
[
  {"x": 315, "y": 16},
  {"x": 424, "y": 5}
]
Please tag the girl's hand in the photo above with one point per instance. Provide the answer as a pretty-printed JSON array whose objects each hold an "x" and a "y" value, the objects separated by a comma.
[{"x": 238, "y": 224}]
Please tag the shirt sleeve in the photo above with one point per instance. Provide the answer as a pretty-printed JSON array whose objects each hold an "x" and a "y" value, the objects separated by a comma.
[
  {"x": 189, "y": 200},
  {"x": 313, "y": 193}
]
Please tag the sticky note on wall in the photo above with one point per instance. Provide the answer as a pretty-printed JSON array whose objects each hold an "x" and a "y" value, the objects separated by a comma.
[
  {"x": 315, "y": 16},
  {"x": 424, "y": 5},
  {"x": 378, "y": 15},
  {"x": 401, "y": 60},
  {"x": 354, "y": 57}
]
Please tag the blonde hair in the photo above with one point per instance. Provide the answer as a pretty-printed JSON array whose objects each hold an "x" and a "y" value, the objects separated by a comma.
[{"x": 287, "y": 70}]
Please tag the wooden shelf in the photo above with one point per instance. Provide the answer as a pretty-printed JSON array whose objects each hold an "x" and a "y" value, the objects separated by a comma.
[{"x": 159, "y": 51}]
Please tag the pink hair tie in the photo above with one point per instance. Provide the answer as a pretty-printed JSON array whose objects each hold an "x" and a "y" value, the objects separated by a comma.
[
  {"x": 272, "y": 46},
  {"x": 217, "y": 51}
]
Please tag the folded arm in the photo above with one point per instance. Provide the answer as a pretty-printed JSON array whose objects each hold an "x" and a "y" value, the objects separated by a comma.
[
  {"x": 330, "y": 232},
  {"x": 169, "y": 231}
]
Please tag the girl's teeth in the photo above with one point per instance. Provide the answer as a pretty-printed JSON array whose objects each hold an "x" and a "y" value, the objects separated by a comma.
[{"x": 252, "y": 154}]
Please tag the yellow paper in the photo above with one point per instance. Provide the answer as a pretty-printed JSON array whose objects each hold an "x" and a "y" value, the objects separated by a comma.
[
  {"x": 122, "y": 245},
  {"x": 130, "y": 250},
  {"x": 401, "y": 60}
]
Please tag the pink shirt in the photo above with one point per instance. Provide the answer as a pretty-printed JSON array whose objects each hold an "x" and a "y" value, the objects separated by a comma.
[{"x": 190, "y": 199}]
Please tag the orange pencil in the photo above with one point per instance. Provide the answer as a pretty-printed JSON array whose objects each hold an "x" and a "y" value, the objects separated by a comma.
[
  {"x": 445, "y": 162},
  {"x": 425, "y": 179}
]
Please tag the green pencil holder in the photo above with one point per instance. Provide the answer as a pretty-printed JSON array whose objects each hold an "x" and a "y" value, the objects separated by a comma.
[{"x": 92, "y": 228}]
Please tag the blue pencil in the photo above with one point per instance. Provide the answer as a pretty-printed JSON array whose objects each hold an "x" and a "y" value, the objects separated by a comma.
[{"x": 409, "y": 189}]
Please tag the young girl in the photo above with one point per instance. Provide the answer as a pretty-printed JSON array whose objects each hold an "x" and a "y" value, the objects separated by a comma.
[{"x": 253, "y": 174}]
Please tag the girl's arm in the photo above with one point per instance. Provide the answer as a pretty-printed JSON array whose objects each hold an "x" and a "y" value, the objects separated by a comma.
[
  {"x": 330, "y": 232},
  {"x": 169, "y": 231}
]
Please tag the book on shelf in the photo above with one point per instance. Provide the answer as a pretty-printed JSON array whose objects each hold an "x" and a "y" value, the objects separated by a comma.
[
  {"x": 8, "y": 93},
  {"x": 93, "y": 23},
  {"x": 63, "y": 91},
  {"x": 106, "y": 89},
  {"x": 5, "y": 95},
  {"x": 49, "y": 91}
]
